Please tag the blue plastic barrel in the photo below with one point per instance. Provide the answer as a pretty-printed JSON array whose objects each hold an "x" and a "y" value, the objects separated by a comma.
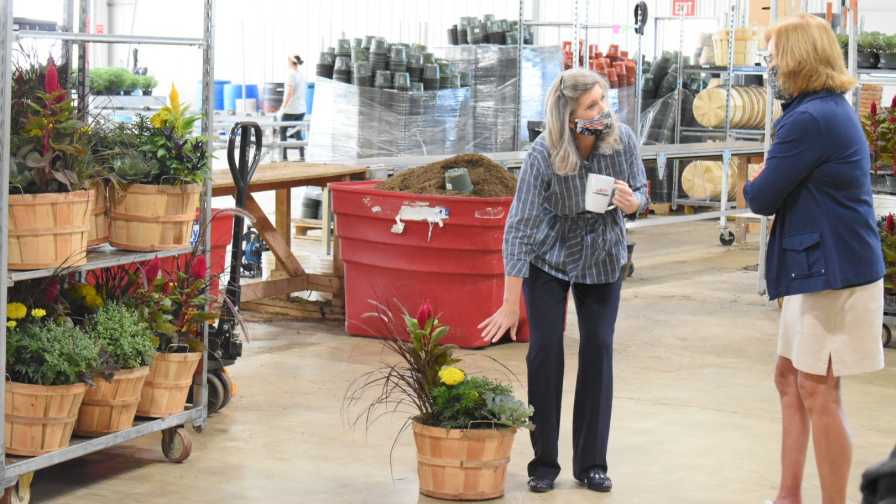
[
  {"x": 219, "y": 94},
  {"x": 309, "y": 98},
  {"x": 234, "y": 92}
]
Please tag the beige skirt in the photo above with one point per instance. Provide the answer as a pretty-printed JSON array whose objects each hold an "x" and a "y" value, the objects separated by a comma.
[{"x": 841, "y": 325}]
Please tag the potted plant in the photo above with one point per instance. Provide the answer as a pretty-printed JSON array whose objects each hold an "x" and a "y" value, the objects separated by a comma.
[
  {"x": 869, "y": 49},
  {"x": 174, "y": 304},
  {"x": 887, "y": 229},
  {"x": 463, "y": 425},
  {"x": 888, "y": 52},
  {"x": 131, "y": 84},
  {"x": 49, "y": 204},
  {"x": 100, "y": 81},
  {"x": 147, "y": 83},
  {"x": 48, "y": 363},
  {"x": 158, "y": 169},
  {"x": 843, "y": 40},
  {"x": 126, "y": 351}
]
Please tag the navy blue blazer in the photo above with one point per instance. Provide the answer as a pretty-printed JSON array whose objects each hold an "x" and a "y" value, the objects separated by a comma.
[{"x": 817, "y": 184}]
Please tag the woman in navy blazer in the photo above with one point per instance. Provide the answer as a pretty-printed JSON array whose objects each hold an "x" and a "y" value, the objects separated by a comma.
[{"x": 824, "y": 256}]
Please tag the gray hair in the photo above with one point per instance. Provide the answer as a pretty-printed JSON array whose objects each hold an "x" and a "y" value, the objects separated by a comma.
[{"x": 561, "y": 103}]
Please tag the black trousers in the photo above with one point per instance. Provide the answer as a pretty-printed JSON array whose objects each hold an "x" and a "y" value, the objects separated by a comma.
[
  {"x": 597, "y": 306},
  {"x": 297, "y": 135}
]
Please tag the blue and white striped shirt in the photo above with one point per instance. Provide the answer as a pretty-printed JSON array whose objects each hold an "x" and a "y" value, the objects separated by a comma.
[{"x": 549, "y": 227}]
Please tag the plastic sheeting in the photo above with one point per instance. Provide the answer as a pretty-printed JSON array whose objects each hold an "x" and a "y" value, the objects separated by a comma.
[
  {"x": 351, "y": 122},
  {"x": 494, "y": 71}
]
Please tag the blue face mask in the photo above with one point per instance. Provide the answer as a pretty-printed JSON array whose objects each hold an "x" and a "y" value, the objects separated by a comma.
[{"x": 597, "y": 126}]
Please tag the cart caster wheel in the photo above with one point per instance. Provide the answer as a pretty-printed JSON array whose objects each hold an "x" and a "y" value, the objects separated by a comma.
[
  {"x": 726, "y": 238},
  {"x": 20, "y": 493},
  {"x": 215, "y": 394},
  {"x": 227, "y": 383},
  {"x": 176, "y": 444},
  {"x": 887, "y": 336}
]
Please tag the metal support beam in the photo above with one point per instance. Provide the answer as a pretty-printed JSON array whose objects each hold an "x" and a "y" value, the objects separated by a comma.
[
  {"x": 6, "y": 42},
  {"x": 110, "y": 39}
]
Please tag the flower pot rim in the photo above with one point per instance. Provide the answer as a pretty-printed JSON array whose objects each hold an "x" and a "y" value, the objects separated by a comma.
[
  {"x": 422, "y": 427},
  {"x": 162, "y": 187},
  {"x": 32, "y": 388},
  {"x": 128, "y": 373},
  {"x": 82, "y": 194}
]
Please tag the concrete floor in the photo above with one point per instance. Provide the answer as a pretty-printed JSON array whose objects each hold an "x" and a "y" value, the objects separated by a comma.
[{"x": 696, "y": 417}]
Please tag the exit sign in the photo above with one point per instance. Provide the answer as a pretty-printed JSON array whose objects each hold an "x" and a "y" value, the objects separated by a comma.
[{"x": 684, "y": 7}]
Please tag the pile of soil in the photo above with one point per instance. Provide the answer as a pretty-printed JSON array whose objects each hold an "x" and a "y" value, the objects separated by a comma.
[{"x": 490, "y": 180}]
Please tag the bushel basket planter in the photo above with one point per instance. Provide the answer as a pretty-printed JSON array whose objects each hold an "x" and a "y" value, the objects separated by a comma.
[
  {"x": 462, "y": 464},
  {"x": 99, "y": 224},
  {"x": 40, "y": 418},
  {"x": 165, "y": 389},
  {"x": 49, "y": 230},
  {"x": 110, "y": 406},
  {"x": 148, "y": 218}
]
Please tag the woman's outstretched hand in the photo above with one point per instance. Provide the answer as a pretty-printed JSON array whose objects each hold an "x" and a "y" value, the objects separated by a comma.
[{"x": 506, "y": 318}]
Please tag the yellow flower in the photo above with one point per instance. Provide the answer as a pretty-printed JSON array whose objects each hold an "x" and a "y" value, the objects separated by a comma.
[
  {"x": 16, "y": 311},
  {"x": 86, "y": 290},
  {"x": 11, "y": 324},
  {"x": 174, "y": 98},
  {"x": 93, "y": 301},
  {"x": 38, "y": 313},
  {"x": 451, "y": 375}
]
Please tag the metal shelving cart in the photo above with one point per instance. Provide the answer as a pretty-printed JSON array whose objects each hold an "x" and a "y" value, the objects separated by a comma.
[{"x": 176, "y": 443}]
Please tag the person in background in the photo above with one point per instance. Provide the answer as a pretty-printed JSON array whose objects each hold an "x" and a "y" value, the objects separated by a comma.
[
  {"x": 553, "y": 244},
  {"x": 293, "y": 108},
  {"x": 824, "y": 254}
]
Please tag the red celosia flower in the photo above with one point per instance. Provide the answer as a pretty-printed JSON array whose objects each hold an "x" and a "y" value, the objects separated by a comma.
[{"x": 424, "y": 314}]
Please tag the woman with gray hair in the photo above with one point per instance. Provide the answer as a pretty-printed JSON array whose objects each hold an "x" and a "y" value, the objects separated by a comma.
[{"x": 558, "y": 238}]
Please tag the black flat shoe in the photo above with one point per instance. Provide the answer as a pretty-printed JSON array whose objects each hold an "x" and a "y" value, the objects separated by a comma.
[
  {"x": 540, "y": 485},
  {"x": 597, "y": 480}
]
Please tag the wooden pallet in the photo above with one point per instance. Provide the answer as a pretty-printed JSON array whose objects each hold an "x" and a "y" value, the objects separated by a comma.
[
  {"x": 298, "y": 308},
  {"x": 302, "y": 226}
]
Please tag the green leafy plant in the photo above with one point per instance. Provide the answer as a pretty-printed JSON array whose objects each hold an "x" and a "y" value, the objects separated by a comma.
[
  {"x": 478, "y": 402},
  {"x": 425, "y": 384},
  {"x": 888, "y": 44},
  {"x": 158, "y": 150},
  {"x": 887, "y": 230},
  {"x": 174, "y": 303},
  {"x": 49, "y": 145},
  {"x": 147, "y": 83},
  {"x": 843, "y": 40},
  {"x": 870, "y": 41},
  {"x": 125, "y": 339},
  {"x": 50, "y": 353}
]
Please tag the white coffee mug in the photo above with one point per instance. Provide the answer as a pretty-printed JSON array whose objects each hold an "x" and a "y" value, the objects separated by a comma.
[{"x": 599, "y": 192}]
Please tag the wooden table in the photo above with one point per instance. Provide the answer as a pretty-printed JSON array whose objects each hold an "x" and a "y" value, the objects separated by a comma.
[{"x": 282, "y": 177}]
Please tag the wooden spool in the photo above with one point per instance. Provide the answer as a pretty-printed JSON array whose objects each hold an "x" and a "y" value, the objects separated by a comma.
[
  {"x": 39, "y": 418},
  {"x": 147, "y": 218},
  {"x": 110, "y": 406},
  {"x": 702, "y": 180},
  {"x": 462, "y": 464},
  {"x": 168, "y": 383},
  {"x": 49, "y": 230},
  {"x": 748, "y": 105},
  {"x": 98, "y": 234}
]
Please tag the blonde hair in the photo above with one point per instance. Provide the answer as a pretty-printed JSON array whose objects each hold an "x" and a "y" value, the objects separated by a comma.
[
  {"x": 561, "y": 103},
  {"x": 808, "y": 56}
]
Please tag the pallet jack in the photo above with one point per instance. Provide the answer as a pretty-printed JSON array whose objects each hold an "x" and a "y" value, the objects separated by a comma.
[{"x": 224, "y": 343}]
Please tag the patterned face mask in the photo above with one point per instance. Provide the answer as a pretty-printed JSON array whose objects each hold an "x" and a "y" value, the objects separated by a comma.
[
  {"x": 775, "y": 85},
  {"x": 596, "y": 126}
]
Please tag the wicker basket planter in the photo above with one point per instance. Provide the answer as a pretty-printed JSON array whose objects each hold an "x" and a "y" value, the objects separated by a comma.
[
  {"x": 49, "y": 230},
  {"x": 110, "y": 406},
  {"x": 98, "y": 234},
  {"x": 462, "y": 464},
  {"x": 40, "y": 418},
  {"x": 149, "y": 218},
  {"x": 165, "y": 389}
]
